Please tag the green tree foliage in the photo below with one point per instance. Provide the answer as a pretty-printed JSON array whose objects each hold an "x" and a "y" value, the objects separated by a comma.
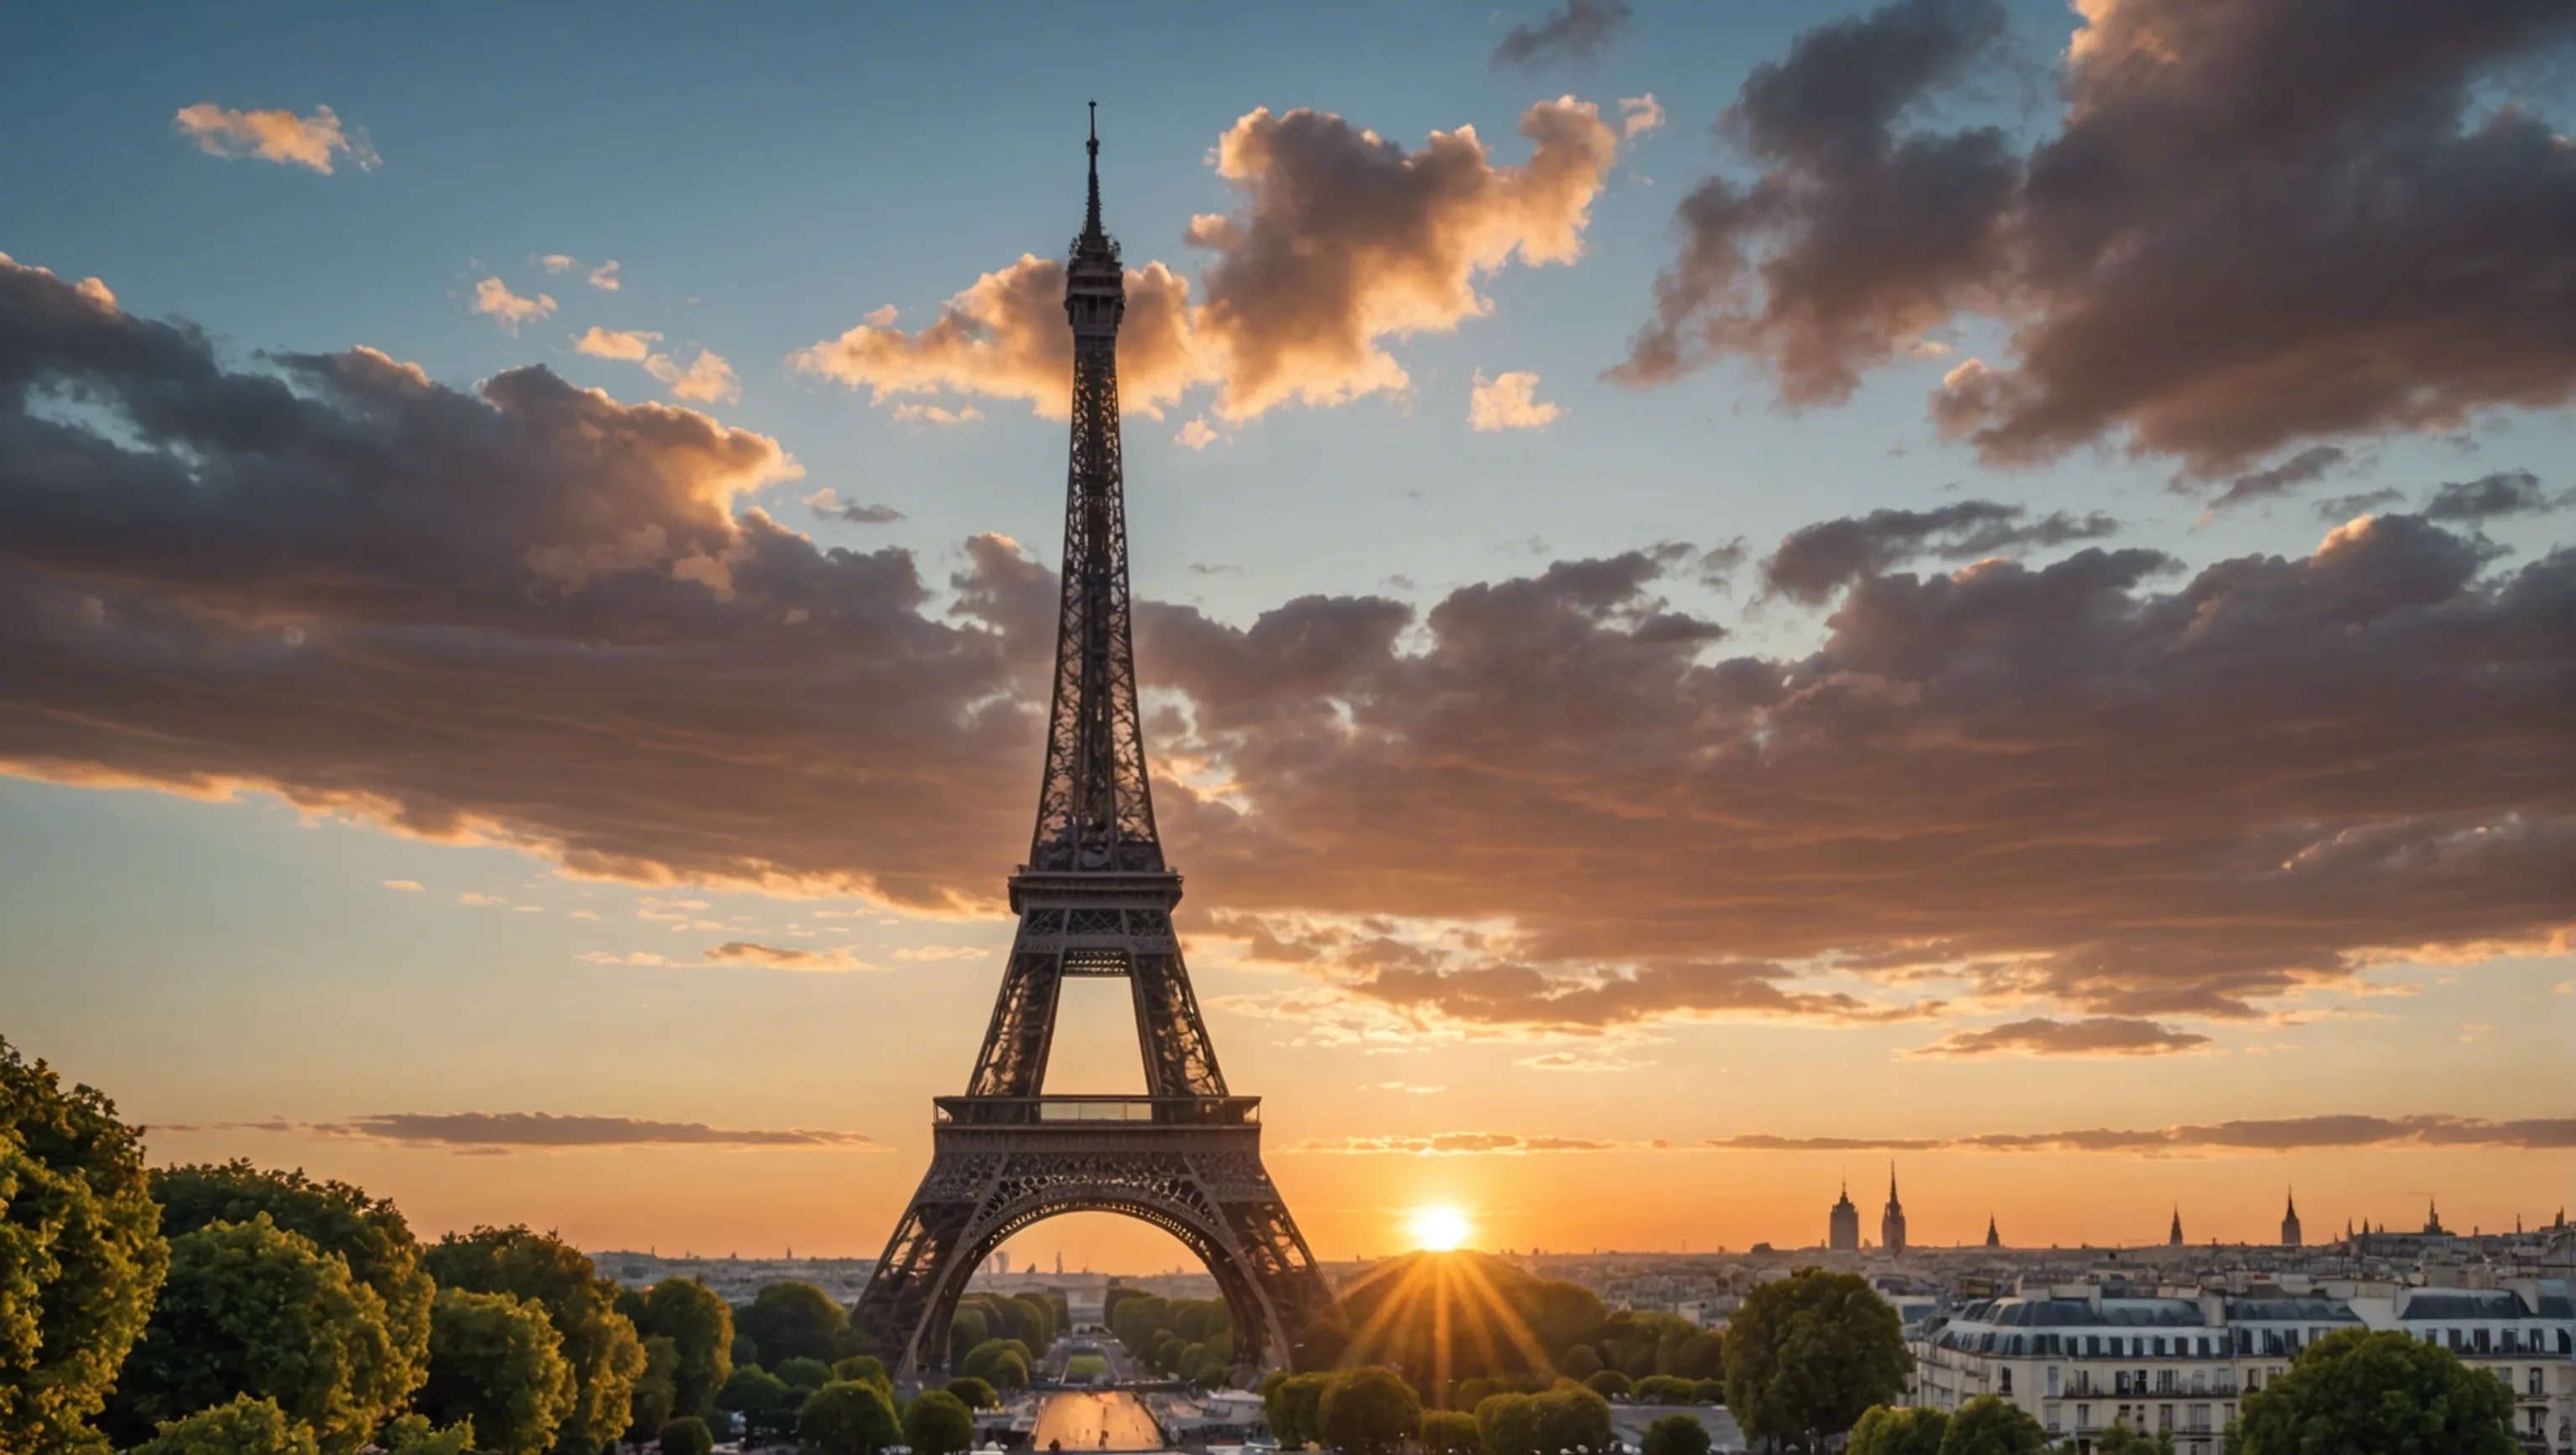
[
  {"x": 2357, "y": 1393},
  {"x": 1571, "y": 1417},
  {"x": 1708, "y": 1391},
  {"x": 938, "y": 1423},
  {"x": 497, "y": 1361},
  {"x": 601, "y": 1346},
  {"x": 746, "y": 1349},
  {"x": 687, "y": 1435},
  {"x": 980, "y": 1360},
  {"x": 974, "y": 1393},
  {"x": 246, "y": 1426},
  {"x": 1806, "y": 1355},
  {"x": 1507, "y": 1424},
  {"x": 81, "y": 1254},
  {"x": 2121, "y": 1440},
  {"x": 1450, "y": 1432},
  {"x": 863, "y": 1366},
  {"x": 1294, "y": 1408},
  {"x": 367, "y": 1233},
  {"x": 699, "y": 1325},
  {"x": 1992, "y": 1425},
  {"x": 849, "y": 1417},
  {"x": 1492, "y": 1317},
  {"x": 966, "y": 1330},
  {"x": 1675, "y": 1435},
  {"x": 1580, "y": 1362},
  {"x": 1666, "y": 1389},
  {"x": 1701, "y": 1356},
  {"x": 1611, "y": 1384},
  {"x": 413, "y": 1434},
  {"x": 1009, "y": 1372},
  {"x": 1898, "y": 1430},
  {"x": 250, "y": 1308},
  {"x": 657, "y": 1389},
  {"x": 764, "y": 1401},
  {"x": 793, "y": 1321},
  {"x": 1368, "y": 1412},
  {"x": 804, "y": 1375},
  {"x": 1639, "y": 1344}
]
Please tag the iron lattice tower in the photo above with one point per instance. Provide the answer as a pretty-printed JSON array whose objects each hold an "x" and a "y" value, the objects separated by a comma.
[{"x": 1095, "y": 898}]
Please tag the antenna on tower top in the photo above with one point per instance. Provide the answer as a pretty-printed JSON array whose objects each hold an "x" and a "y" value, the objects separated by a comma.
[{"x": 1091, "y": 217}]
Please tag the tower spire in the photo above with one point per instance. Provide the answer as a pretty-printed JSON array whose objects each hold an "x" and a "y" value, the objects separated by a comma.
[{"x": 1091, "y": 215}]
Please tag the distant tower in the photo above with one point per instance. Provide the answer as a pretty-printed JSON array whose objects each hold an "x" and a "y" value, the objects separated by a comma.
[
  {"x": 2290, "y": 1223},
  {"x": 1994, "y": 1239},
  {"x": 1003, "y": 1259},
  {"x": 2174, "y": 1238},
  {"x": 1059, "y": 1262},
  {"x": 1891, "y": 1224},
  {"x": 2433, "y": 1221},
  {"x": 1842, "y": 1225}
]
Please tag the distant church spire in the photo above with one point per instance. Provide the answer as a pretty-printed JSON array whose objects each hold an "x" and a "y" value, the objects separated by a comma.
[
  {"x": 1994, "y": 1239},
  {"x": 2174, "y": 1238},
  {"x": 1891, "y": 1224},
  {"x": 2290, "y": 1222}
]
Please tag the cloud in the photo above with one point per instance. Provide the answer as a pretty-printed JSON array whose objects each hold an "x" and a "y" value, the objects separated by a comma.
[
  {"x": 604, "y": 277},
  {"x": 1196, "y": 435},
  {"x": 772, "y": 957},
  {"x": 1815, "y": 561},
  {"x": 558, "y": 262},
  {"x": 1639, "y": 115},
  {"x": 707, "y": 380},
  {"x": 531, "y": 615},
  {"x": 528, "y": 1130},
  {"x": 2294, "y": 1134},
  {"x": 1458, "y": 1144},
  {"x": 2101, "y": 1036},
  {"x": 407, "y": 886},
  {"x": 1344, "y": 240},
  {"x": 934, "y": 414},
  {"x": 1508, "y": 401},
  {"x": 484, "y": 901},
  {"x": 493, "y": 298},
  {"x": 828, "y": 504},
  {"x": 276, "y": 136},
  {"x": 2235, "y": 240},
  {"x": 2312, "y": 463},
  {"x": 1576, "y": 34},
  {"x": 629, "y": 347},
  {"x": 2340, "y": 508},
  {"x": 2506, "y": 492}
]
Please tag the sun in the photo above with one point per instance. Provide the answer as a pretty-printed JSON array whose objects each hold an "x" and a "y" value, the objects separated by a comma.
[{"x": 1438, "y": 1229}]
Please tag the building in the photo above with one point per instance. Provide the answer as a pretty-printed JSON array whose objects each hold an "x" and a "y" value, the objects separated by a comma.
[
  {"x": 1842, "y": 1225},
  {"x": 2174, "y": 1239},
  {"x": 1891, "y": 1224},
  {"x": 2290, "y": 1223},
  {"x": 1994, "y": 1239},
  {"x": 2081, "y": 1357}
]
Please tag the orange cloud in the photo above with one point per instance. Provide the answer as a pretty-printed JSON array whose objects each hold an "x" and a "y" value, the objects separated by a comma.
[
  {"x": 275, "y": 136},
  {"x": 493, "y": 298},
  {"x": 629, "y": 346},
  {"x": 707, "y": 380},
  {"x": 1508, "y": 401}
]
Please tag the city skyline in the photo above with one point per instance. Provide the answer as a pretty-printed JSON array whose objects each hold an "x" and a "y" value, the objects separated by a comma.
[{"x": 524, "y": 696}]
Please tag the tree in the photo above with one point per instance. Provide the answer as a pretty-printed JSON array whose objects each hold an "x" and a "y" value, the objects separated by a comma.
[
  {"x": 413, "y": 1434},
  {"x": 974, "y": 1393},
  {"x": 967, "y": 1330},
  {"x": 657, "y": 1389},
  {"x": 81, "y": 1254},
  {"x": 1571, "y": 1417},
  {"x": 2121, "y": 1440},
  {"x": 1992, "y": 1425},
  {"x": 1667, "y": 1389},
  {"x": 699, "y": 1325},
  {"x": 1611, "y": 1384},
  {"x": 250, "y": 1308},
  {"x": 1368, "y": 1412},
  {"x": 1708, "y": 1391},
  {"x": 246, "y": 1426},
  {"x": 1701, "y": 1356},
  {"x": 1898, "y": 1430},
  {"x": 848, "y": 1417},
  {"x": 496, "y": 1360},
  {"x": 1807, "y": 1354},
  {"x": 687, "y": 1435},
  {"x": 1507, "y": 1424},
  {"x": 938, "y": 1423},
  {"x": 1580, "y": 1362},
  {"x": 763, "y": 1399},
  {"x": 1675, "y": 1435},
  {"x": 1294, "y": 1408},
  {"x": 863, "y": 1366},
  {"x": 2358, "y": 1393},
  {"x": 599, "y": 1344},
  {"x": 746, "y": 1349},
  {"x": 805, "y": 1375},
  {"x": 1449, "y": 1432},
  {"x": 793, "y": 1321},
  {"x": 367, "y": 1233},
  {"x": 1009, "y": 1371}
]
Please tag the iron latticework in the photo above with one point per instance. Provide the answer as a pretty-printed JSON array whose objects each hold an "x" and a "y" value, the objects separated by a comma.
[{"x": 1095, "y": 898}]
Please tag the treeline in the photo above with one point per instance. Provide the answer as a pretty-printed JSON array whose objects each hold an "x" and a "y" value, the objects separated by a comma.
[
  {"x": 234, "y": 1310},
  {"x": 999, "y": 1338},
  {"x": 1186, "y": 1338}
]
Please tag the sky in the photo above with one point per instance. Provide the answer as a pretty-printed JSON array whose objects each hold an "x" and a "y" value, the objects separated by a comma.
[{"x": 1729, "y": 597}]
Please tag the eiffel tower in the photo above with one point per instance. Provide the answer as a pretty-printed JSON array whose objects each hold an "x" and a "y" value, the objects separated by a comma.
[{"x": 1095, "y": 898}]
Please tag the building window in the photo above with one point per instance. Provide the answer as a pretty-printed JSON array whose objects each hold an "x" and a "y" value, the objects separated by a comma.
[
  {"x": 2197, "y": 1417},
  {"x": 2052, "y": 1381},
  {"x": 2164, "y": 1381},
  {"x": 2253, "y": 1379},
  {"x": 2481, "y": 1340},
  {"x": 2049, "y": 1417},
  {"x": 2164, "y": 1417},
  {"x": 2084, "y": 1417},
  {"x": 2005, "y": 1386},
  {"x": 2536, "y": 1390}
]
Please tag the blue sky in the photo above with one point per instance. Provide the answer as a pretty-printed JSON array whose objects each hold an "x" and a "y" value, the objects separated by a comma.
[{"x": 764, "y": 179}]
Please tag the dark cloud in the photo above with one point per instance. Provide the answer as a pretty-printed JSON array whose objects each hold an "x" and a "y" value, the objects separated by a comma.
[
  {"x": 2258, "y": 222},
  {"x": 1576, "y": 33},
  {"x": 2295, "y": 1134},
  {"x": 2340, "y": 508},
  {"x": 2310, "y": 464},
  {"x": 1815, "y": 561},
  {"x": 778, "y": 957},
  {"x": 533, "y": 615},
  {"x": 2507, "y": 492},
  {"x": 830, "y": 506},
  {"x": 2100, "y": 1036},
  {"x": 537, "y": 1129}
]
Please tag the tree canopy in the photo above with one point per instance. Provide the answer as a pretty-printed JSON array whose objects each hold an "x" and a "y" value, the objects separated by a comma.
[
  {"x": 1898, "y": 1430},
  {"x": 1368, "y": 1412},
  {"x": 1294, "y": 1408},
  {"x": 495, "y": 1359},
  {"x": 2121, "y": 1440},
  {"x": 687, "y": 1435},
  {"x": 938, "y": 1423},
  {"x": 1453, "y": 1432},
  {"x": 793, "y": 1320},
  {"x": 849, "y": 1417},
  {"x": 599, "y": 1343},
  {"x": 974, "y": 1393},
  {"x": 699, "y": 1325},
  {"x": 82, "y": 1240},
  {"x": 1807, "y": 1355},
  {"x": 250, "y": 1308},
  {"x": 2358, "y": 1393},
  {"x": 657, "y": 1389},
  {"x": 1458, "y": 1316},
  {"x": 244, "y": 1426},
  {"x": 1675, "y": 1435},
  {"x": 1992, "y": 1425}
]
